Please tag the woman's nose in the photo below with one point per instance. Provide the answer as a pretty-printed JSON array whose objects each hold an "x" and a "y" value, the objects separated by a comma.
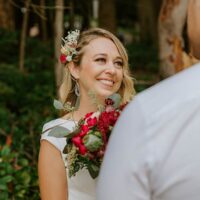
[{"x": 111, "y": 68}]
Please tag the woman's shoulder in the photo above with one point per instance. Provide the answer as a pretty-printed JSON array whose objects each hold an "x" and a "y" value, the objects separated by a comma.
[
  {"x": 53, "y": 123},
  {"x": 59, "y": 143},
  {"x": 66, "y": 120}
]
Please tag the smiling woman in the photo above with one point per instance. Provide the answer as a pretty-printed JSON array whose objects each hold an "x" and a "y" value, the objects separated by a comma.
[
  {"x": 101, "y": 67},
  {"x": 95, "y": 62},
  {"x": 86, "y": 42}
]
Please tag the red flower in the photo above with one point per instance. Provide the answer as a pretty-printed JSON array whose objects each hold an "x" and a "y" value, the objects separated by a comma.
[
  {"x": 88, "y": 115},
  {"x": 100, "y": 153},
  {"x": 82, "y": 149},
  {"x": 109, "y": 101},
  {"x": 91, "y": 121},
  {"x": 77, "y": 141},
  {"x": 63, "y": 58},
  {"x": 113, "y": 117},
  {"x": 84, "y": 130},
  {"x": 123, "y": 106},
  {"x": 104, "y": 120}
]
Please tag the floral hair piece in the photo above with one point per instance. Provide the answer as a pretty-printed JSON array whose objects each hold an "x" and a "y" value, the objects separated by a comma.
[{"x": 68, "y": 50}]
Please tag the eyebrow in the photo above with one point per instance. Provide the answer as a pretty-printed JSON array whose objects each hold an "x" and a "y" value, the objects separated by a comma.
[
  {"x": 104, "y": 54},
  {"x": 100, "y": 54}
]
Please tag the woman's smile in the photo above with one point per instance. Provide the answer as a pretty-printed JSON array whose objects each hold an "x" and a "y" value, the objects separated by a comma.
[{"x": 107, "y": 82}]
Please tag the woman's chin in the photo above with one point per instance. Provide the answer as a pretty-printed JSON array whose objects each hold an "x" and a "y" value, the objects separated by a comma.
[
  {"x": 102, "y": 94},
  {"x": 105, "y": 95}
]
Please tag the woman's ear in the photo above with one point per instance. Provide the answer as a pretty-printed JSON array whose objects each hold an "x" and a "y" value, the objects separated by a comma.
[{"x": 74, "y": 70}]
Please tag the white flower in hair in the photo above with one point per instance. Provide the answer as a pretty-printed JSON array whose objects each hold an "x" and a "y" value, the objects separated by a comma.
[{"x": 68, "y": 50}]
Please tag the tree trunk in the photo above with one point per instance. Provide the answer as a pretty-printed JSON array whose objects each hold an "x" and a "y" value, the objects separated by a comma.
[
  {"x": 43, "y": 20},
  {"x": 58, "y": 31},
  {"x": 172, "y": 20},
  {"x": 107, "y": 12},
  {"x": 148, "y": 14},
  {"x": 71, "y": 15},
  {"x": 23, "y": 36},
  {"x": 86, "y": 12},
  {"x": 6, "y": 15}
]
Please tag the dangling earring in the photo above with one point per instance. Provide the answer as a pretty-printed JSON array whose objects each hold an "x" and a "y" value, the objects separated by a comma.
[{"x": 77, "y": 90}]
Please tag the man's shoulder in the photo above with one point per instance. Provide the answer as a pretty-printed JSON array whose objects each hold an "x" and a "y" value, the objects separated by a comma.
[{"x": 171, "y": 92}]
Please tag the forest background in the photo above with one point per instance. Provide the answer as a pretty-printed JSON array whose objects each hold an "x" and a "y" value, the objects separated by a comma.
[{"x": 154, "y": 33}]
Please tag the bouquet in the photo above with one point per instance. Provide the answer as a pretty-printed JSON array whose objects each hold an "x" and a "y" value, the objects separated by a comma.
[{"x": 86, "y": 145}]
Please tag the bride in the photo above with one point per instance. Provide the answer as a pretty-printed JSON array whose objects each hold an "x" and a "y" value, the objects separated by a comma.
[{"x": 96, "y": 61}]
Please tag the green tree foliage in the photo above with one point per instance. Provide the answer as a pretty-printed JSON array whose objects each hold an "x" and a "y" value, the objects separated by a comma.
[{"x": 25, "y": 103}]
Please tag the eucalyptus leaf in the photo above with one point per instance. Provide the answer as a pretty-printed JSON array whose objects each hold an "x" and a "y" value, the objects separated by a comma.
[
  {"x": 116, "y": 99},
  {"x": 58, "y": 105},
  {"x": 93, "y": 170},
  {"x": 66, "y": 149},
  {"x": 77, "y": 104},
  {"x": 72, "y": 134},
  {"x": 59, "y": 132}
]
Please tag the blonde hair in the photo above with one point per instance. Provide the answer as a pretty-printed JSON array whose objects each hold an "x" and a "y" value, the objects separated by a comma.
[{"x": 67, "y": 92}]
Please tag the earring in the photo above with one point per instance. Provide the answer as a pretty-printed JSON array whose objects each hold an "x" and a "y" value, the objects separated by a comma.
[{"x": 77, "y": 91}]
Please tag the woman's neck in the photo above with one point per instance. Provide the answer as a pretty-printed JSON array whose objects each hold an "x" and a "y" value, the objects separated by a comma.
[{"x": 87, "y": 105}]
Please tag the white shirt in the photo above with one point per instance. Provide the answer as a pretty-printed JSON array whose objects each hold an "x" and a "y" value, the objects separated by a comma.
[{"x": 154, "y": 150}]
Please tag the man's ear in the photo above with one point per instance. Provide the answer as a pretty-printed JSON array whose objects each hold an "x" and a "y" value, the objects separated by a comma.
[{"x": 74, "y": 70}]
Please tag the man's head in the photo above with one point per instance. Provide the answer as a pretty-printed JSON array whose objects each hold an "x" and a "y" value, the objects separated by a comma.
[{"x": 193, "y": 22}]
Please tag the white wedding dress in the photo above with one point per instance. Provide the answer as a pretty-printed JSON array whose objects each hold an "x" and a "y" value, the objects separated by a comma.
[{"x": 81, "y": 186}]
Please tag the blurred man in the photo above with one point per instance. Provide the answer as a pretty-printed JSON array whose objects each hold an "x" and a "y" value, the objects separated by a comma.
[{"x": 153, "y": 153}]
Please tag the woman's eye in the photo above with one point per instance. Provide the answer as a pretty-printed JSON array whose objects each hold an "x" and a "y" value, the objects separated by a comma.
[
  {"x": 119, "y": 64},
  {"x": 100, "y": 60}
]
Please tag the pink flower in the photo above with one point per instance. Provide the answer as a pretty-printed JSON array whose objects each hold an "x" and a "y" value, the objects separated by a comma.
[
  {"x": 63, "y": 58},
  {"x": 109, "y": 108}
]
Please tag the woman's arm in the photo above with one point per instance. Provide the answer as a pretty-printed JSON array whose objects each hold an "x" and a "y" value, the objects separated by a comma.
[{"x": 52, "y": 173}]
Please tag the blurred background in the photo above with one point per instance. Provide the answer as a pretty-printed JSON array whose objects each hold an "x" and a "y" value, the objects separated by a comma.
[{"x": 153, "y": 32}]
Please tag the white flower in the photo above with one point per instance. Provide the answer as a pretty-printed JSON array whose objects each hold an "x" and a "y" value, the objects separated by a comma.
[
  {"x": 95, "y": 114},
  {"x": 69, "y": 58},
  {"x": 70, "y": 43}
]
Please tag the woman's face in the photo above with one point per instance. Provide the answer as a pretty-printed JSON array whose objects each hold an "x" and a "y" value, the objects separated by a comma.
[{"x": 101, "y": 68}]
